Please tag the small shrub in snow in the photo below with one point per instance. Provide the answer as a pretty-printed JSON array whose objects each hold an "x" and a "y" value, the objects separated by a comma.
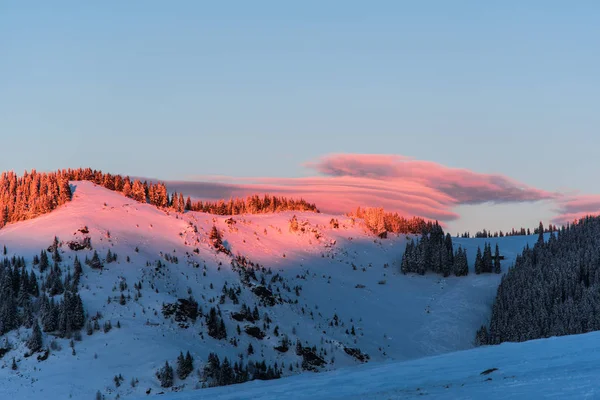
[
  {"x": 54, "y": 345},
  {"x": 118, "y": 379}
]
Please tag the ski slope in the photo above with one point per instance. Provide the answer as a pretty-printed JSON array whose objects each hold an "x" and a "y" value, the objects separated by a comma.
[
  {"x": 344, "y": 272},
  {"x": 558, "y": 368}
]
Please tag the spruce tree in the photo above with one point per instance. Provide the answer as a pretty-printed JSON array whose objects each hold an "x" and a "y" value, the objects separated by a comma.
[
  {"x": 478, "y": 262},
  {"x": 35, "y": 343},
  {"x": 497, "y": 268},
  {"x": 166, "y": 376},
  {"x": 226, "y": 376},
  {"x": 43, "y": 261},
  {"x": 182, "y": 371},
  {"x": 481, "y": 338},
  {"x": 488, "y": 263},
  {"x": 215, "y": 237},
  {"x": 213, "y": 366},
  {"x": 189, "y": 363},
  {"x": 540, "y": 234}
]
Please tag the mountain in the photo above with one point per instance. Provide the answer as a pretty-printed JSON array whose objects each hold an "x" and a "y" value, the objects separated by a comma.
[{"x": 336, "y": 291}]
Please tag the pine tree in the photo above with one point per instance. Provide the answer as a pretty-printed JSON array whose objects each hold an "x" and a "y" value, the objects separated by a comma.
[
  {"x": 481, "y": 338},
  {"x": 43, "y": 261},
  {"x": 127, "y": 188},
  {"x": 35, "y": 342},
  {"x": 222, "y": 330},
  {"x": 182, "y": 372},
  {"x": 478, "y": 262},
  {"x": 213, "y": 366},
  {"x": 181, "y": 204},
  {"x": 56, "y": 254},
  {"x": 540, "y": 234},
  {"x": 408, "y": 260},
  {"x": 294, "y": 224},
  {"x": 138, "y": 193},
  {"x": 497, "y": 268},
  {"x": 215, "y": 325},
  {"x": 226, "y": 377},
  {"x": 215, "y": 237},
  {"x": 488, "y": 263},
  {"x": 189, "y": 363},
  {"x": 461, "y": 266},
  {"x": 165, "y": 375},
  {"x": 95, "y": 262}
]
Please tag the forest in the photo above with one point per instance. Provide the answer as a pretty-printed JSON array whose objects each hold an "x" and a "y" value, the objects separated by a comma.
[
  {"x": 254, "y": 204},
  {"x": 483, "y": 234},
  {"x": 553, "y": 289},
  {"x": 434, "y": 252},
  {"x": 377, "y": 220},
  {"x": 37, "y": 193}
]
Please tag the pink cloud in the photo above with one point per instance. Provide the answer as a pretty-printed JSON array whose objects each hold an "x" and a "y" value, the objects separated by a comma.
[
  {"x": 335, "y": 194},
  {"x": 407, "y": 186},
  {"x": 575, "y": 207},
  {"x": 466, "y": 187}
]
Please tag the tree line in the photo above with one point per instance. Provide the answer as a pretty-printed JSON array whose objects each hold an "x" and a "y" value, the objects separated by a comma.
[
  {"x": 434, "y": 252},
  {"x": 251, "y": 205},
  {"x": 34, "y": 194},
  {"x": 26, "y": 303},
  {"x": 31, "y": 195},
  {"x": 377, "y": 220},
  {"x": 483, "y": 234},
  {"x": 553, "y": 289}
]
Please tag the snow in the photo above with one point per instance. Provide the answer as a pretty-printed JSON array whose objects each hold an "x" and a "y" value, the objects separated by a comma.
[
  {"x": 560, "y": 368},
  {"x": 404, "y": 318}
]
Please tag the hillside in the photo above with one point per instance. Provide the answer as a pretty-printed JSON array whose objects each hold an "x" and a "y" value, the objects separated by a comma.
[
  {"x": 560, "y": 367},
  {"x": 341, "y": 278}
]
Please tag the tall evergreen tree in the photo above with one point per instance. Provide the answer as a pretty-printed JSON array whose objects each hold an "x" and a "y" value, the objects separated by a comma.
[
  {"x": 35, "y": 342},
  {"x": 165, "y": 375},
  {"x": 43, "y": 261},
  {"x": 541, "y": 233},
  {"x": 497, "y": 268},
  {"x": 478, "y": 262},
  {"x": 488, "y": 262},
  {"x": 181, "y": 367}
]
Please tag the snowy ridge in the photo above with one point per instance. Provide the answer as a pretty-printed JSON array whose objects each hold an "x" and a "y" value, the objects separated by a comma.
[{"x": 395, "y": 317}]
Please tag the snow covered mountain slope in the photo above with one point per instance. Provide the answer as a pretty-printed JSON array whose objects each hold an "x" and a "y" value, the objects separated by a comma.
[
  {"x": 560, "y": 368},
  {"x": 330, "y": 282}
]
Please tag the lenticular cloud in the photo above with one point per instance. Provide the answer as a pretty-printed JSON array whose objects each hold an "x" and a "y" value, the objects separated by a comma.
[
  {"x": 462, "y": 185},
  {"x": 410, "y": 187},
  {"x": 571, "y": 208}
]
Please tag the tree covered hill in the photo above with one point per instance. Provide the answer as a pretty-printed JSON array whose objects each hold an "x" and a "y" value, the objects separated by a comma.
[
  {"x": 249, "y": 297},
  {"x": 38, "y": 193},
  {"x": 553, "y": 289}
]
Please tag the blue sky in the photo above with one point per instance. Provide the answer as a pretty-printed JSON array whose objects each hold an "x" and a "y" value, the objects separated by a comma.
[{"x": 257, "y": 89}]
